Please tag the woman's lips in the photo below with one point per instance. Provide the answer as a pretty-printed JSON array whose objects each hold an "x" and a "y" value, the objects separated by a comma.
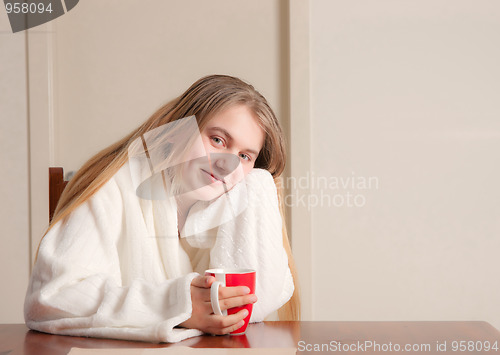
[{"x": 213, "y": 177}]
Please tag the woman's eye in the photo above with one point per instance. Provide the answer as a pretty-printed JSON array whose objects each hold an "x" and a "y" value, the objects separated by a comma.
[
  {"x": 244, "y": 157},
  {"x": 218, "y": 141}
]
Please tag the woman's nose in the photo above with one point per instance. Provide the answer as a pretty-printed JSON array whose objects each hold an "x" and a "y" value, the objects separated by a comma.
[
  {"x": 224, "y": 163},
  {"x": 220, "y": 163}
]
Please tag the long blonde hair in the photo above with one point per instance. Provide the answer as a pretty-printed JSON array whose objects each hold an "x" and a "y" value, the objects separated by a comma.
[{"x": 206, "y": 97}]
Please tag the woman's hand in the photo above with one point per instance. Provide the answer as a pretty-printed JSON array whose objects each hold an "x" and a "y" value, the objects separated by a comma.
[{"x": 204, "y": 319}]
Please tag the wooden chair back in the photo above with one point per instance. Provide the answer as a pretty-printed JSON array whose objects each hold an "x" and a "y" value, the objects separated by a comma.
[{"x": 56, "y": 187}]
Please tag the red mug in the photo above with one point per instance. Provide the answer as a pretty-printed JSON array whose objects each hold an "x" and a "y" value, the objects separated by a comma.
[{"x": 231, "y": 278}]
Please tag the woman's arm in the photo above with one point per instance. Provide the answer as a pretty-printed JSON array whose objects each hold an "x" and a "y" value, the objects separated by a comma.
[
  {"x": 253, "y": 239},
  {"x": 79, "y": 284}
]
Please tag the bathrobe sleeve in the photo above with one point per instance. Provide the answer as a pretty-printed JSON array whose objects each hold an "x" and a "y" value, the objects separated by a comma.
[{"x": 77, "y": 285}]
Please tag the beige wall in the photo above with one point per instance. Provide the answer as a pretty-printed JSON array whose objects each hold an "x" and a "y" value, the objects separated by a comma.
[
  {"x": 407, "y": 92},
  {"x": 14, "y": 186}
]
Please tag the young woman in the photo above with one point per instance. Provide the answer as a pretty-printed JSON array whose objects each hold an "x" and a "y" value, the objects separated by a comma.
[{"x": 192, "y": 188}]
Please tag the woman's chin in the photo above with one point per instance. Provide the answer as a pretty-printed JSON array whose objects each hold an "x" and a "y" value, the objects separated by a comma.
[{"x": 206, "y": 193}]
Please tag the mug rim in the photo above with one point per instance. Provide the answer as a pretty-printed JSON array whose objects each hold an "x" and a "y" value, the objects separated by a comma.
[{"x": 224, "y": 271}]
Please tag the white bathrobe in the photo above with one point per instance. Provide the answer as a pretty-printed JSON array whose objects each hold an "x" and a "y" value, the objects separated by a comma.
[{"x": 116, "y": 268}]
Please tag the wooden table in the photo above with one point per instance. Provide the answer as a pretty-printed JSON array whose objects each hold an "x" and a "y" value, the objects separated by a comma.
[{"x": 307, "y": 337}]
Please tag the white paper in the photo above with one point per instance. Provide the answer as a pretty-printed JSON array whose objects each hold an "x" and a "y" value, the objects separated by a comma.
[{"x": 184, "y": 350}]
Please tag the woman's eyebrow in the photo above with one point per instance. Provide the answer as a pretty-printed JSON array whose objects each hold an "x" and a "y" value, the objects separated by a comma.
[{"x": 230, "y": 138}]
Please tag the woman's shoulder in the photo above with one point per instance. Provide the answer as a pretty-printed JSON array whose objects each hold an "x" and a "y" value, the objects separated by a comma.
[
  {"x": 261, "y": 183},
  {"x": 262, "y": 176},
  {"x": 126, "y": 178},
  {"x": 110, "y": 197}
]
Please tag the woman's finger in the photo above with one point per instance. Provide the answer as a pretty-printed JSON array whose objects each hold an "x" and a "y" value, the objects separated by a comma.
[
  {"x": 226, "y": 324},
  {"x": 203, "y": 281},
  {"x": 227, "y": 303},
  {"x": 233, "y": 327},
  {"x": 227, "y": 292}
]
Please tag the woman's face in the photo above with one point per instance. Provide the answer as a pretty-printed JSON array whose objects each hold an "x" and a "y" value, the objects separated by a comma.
[{"x": 232, "y": 140}]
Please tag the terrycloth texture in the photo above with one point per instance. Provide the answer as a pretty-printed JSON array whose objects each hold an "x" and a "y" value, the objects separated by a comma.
[
  {"x": 115, "y": 268},
  {"x": 252, "y": 239}
]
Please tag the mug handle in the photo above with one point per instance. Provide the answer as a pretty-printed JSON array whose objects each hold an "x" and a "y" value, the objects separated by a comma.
[{"x": 214, "y": 298}]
